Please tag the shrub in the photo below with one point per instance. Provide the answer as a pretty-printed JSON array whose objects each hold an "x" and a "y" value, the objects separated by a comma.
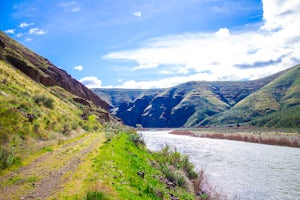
[
  {"x": 92, "y": 118},
  {"x": 136, "y": 139},
  {"x": 174, "y": 176},
  {"x": 7, "y": 157},
  {"x": 66, "y": 129},
  {"x": 36, "y": 127},
  {"x": 176, "y": 168},
  {"x": 109, "y": 135},
  {"x": 95, "y": 196},
  {"x": 44, "y": 100},
  {"x": 188, "y": 167}
]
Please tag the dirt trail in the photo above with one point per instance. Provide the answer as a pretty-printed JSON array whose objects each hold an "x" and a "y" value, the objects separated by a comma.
[{"x": 47, "y": 174}]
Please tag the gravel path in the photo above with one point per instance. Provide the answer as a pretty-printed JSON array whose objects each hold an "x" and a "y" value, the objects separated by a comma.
[{"x": 47, "y": 174}]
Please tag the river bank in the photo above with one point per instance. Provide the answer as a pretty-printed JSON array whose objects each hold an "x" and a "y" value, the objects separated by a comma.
[
  {"x": 245, "y": 134},
  {"x": 241, "y": 170}
]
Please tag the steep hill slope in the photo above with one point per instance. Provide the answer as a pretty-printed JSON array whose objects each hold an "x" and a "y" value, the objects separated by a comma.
[
  {"x": 276, "y": 105},
  {"x": 33, "y": 116},
  {"x": 184, "y": 105},
  {"x": 42, "y": 70},
  {"x": 42, "y": 105}
]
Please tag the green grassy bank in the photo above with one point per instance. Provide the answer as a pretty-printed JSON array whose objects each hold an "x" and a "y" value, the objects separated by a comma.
[{"x": 125, "y": 169}]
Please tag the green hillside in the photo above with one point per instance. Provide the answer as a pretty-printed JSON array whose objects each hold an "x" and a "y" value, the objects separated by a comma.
[
  {"x": 43, "y": 71},
  {"x": 187, "y": 105},
  {"x": 272, "y": 101},
  {"x": 32, "y": 115},
  {"x": 40, "y": 103},
  {"x": 274, "y": 105}
]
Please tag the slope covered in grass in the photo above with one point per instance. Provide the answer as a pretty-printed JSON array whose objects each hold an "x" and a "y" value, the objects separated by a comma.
[
  {"x": 32, "y": 115},
  {"x": 184, "y": 105},
  {"x": 274, "y": 105},
  {"x": 42, "y": 70}
]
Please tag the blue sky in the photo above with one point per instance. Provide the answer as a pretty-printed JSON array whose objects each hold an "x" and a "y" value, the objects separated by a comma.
[{"x": 155, "y": 43}]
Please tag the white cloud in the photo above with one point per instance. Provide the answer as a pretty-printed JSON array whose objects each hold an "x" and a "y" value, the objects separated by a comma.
[
  {"x": 91, "y": 82},
  {"x": 28, "y": 39},
  {"x": 225, "y": 54},
  {"x": 145, "y": 66},
  {"x": 280, "y": 14},
  {"x": 75, "y": 9},
  {"x": 37, "y": 31},
  {"x": 138, "y": 14},
  {"x": 19, "y": 35},
  {"x": 79, "y": 68},
  {"x": 222, "y": 33},
  {"x": 207, "y": 75},
  {"x": 10, "y": 31},
  {"x": 70, "y": 6},
  {"x": 24, "y": 25}
]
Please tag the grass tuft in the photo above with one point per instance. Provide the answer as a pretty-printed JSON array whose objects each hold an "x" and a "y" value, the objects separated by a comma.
[
  {"x": 95, "y": 196},
  {"x": 7, "y": 157},
  {"x": 42, "y": 99}
]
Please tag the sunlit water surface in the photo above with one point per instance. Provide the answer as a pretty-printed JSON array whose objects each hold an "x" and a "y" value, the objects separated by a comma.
[{"x": 238, "y": 169}]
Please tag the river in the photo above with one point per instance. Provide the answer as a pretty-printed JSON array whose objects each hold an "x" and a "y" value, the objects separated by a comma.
[{"x": 238, "y": 169}]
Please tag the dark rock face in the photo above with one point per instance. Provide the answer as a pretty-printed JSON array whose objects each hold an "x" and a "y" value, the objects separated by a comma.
[
  {"x": 82, "y": 101},
  {"x": 132, "y": 112},
  {"x": 2, "y": 44},
  {"x": 43, "y": 71}
]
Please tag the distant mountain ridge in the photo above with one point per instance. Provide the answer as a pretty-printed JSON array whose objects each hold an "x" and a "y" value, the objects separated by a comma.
[{"x": 201, "y": 103}]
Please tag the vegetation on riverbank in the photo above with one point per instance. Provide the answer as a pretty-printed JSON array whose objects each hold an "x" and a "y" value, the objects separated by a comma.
[
  {"x": 253, "y": 135},
  {"x": 125, "y": 169}
]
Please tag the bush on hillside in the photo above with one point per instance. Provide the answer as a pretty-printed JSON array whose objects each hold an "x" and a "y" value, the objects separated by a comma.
[
  {"x": 44, "y": 100},
  {"x": 7, "y": 157}
]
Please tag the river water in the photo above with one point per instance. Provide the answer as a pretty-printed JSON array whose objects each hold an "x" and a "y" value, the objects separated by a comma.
[{"x": 238, "y": 169}]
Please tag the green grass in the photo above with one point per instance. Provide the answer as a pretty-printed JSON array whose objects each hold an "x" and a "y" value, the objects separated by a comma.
[
  {"x": 32, "y": 115},
  {"x": 287, "y": 118},
  {"x": 95, "y": 196},
  {"x": 115, "y": 171},
  {"x": 275, "y": 105}
]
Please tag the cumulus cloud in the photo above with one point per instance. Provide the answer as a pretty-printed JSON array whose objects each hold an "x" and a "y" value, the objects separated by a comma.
[
  {"x": 10, "y": 31},
  {"x": 222, "y": 33},
  {"x": 91, "y": 82},
  {"x": 37, "y": 31},
  {"x": 280, "y": 14},
  {"x": 138, "y": 14},
  {"x": 224, "y": 54},
  {"x": 24, "y": 25},
  {"x": 79, "y": 68}
]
